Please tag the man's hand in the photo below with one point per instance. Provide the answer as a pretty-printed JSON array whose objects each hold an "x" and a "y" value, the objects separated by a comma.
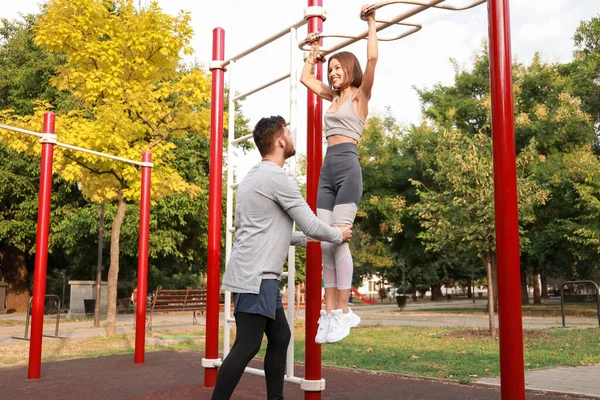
[{"x": 346, "y": 232}]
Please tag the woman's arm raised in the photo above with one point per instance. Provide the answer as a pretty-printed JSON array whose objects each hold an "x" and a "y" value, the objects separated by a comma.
[{"x": 308, "y": 77}]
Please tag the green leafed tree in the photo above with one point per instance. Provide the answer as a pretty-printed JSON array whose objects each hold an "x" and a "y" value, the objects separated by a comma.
[
  {"x": 121, "y": 68},
  {"x": 456, "y": 209}
]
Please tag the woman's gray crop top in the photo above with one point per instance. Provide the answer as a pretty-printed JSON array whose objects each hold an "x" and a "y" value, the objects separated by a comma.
[{"x": 344, "y": 121}]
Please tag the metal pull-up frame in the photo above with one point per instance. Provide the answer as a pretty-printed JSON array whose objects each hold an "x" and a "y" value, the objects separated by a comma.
[
  {"x": 511, "y": 344},
  {"x": 48, "y": 140},
  {"x": 211, "y": 359}
]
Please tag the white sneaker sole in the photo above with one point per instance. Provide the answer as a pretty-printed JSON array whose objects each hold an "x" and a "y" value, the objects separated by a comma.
[
  {"x": 323, "y": 341},
  {"x": 355, "y": 321},
  {"x": 331, "y": 340}
]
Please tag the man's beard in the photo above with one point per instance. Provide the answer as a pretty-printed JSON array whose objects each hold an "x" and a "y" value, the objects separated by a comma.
[{"x": 290, "y": 151}]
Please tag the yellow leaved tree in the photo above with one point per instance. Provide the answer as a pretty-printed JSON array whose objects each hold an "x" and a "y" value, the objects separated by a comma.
[{"x": 122, "y": 68}]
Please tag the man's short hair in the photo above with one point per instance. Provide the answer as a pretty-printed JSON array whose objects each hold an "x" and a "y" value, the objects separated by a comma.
[{"x": 266, "y": 131}]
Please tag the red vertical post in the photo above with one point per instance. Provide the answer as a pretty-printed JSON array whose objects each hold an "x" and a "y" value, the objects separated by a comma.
[
  {"x": 512, "y": 375},
  {"x": 41, "y": 249},
  {"x": 215, "y": 195},
  {"x": 142, "y": 278},
  {"x": 313, "y": 250}
]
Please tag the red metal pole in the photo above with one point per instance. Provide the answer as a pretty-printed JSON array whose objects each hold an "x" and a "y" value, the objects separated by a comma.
[
  {"x": 512, "y": 375},
  {"x": 142, "y": 278},
  {"x": 313, "y": 250},
  {"x": 215, "y": 194},
  {"x": 41, "y": 250}
]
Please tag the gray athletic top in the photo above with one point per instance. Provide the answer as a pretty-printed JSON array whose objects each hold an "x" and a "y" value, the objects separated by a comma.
[
  {"x": 268, "y": 200},
  {"x": 344, "y": 121}
]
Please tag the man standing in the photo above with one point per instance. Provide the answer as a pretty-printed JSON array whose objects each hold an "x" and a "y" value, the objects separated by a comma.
[{"x": 268, "y": 201}]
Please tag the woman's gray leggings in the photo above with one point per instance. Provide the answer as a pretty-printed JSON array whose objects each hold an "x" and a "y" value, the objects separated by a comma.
[{"x": 340, "y": 190}]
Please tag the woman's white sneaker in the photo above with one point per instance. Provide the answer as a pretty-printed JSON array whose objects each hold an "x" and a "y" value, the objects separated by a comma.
[
  {"x": 355, "y": 319},
  {"x": 323, "y": 329},
  {"x": 339, "y": 326}
]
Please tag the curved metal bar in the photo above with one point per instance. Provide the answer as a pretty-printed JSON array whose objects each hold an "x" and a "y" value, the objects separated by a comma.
[
  {"x": 414, "y": 29},
  {"x": 27, "y": 318},
  {"x": 562, "y": 298},
  {"x": 451, "y": 7},
  {"x": 354, "y": 38}
]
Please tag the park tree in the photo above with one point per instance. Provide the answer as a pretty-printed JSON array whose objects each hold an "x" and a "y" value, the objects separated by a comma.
[
  {"x": 581, "y": 173},
  {"x": 456, "y": 209},
  {"x": 380, "y": 215},
  {"x": 26, "y": 69},
  {"x": 584, "y": 71},
  {"x": 545, "y": 110},
  {"x": 121, "y": 69}
]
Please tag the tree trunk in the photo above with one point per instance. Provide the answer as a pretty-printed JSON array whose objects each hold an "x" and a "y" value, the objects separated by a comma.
[
  {"x": 15, "y": 275},
  {"x": 544, "y": 287},
  {"x": 436, "y": 292},
  {"x": 487, "y": 263},
  {"x": 524, "y": 293},
  {"x": 495, "y": 279},
  {"x": 113, "y": 270},
  {"x": 537, "y": 294},
  {"x": 469, "y": 289},
  {"x": 415, "y": 295}
]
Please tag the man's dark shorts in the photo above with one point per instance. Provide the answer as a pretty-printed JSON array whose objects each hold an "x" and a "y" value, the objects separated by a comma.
[{"x": 264, "y": 303}]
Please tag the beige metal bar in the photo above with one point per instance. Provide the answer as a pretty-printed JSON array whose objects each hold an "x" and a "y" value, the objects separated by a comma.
[
  {"x": 381, "y": 4},
  {"x": 266, "y": 85},
  {"x": 265, "y": 42}
]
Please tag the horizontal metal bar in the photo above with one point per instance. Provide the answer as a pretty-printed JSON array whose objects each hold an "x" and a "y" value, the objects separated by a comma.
[
  {"x": 260, "y": 372},
  {"x": 242, "y": 139},
  {"x": 266, "y": 85},
  {"x": 255, "y": 371},
  {"x": 230, "y": 320},
  {"x": 264, "y": 42},
  {"x": 15, "y": 129},
  {"x": 71, "y": 147},
  {"x": 97, "y": 153}
]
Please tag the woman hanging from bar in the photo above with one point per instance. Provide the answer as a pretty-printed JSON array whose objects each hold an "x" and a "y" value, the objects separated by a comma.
[{"x": 340, "y": 182}]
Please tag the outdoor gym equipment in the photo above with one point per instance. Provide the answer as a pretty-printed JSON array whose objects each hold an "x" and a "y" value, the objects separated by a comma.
[
  {"x": 48, "y": 140},
  {"x": 512, "y": 375},
  {"x": 26, "y": 335}
]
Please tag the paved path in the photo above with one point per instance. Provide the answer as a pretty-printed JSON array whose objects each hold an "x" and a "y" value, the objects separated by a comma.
[
  {"x": 169, "y": 375},
  {"x": 573, "y": 381}
]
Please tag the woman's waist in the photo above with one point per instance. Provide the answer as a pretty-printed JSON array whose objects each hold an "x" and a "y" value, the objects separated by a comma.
[
  {"x": 342, "y": 135},
  {"x": 333, "y": 140},
  {"x": 342, "y": 148}
]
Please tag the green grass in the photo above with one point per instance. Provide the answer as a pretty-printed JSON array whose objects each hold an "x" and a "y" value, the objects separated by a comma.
[
  {"x": 11, "y": 322},
  {"x": 48, "y": 320},
  {"x": 577, "y": 310},
  {"x": 457, "y": 354},
  {"x": 462, "y": 355}
]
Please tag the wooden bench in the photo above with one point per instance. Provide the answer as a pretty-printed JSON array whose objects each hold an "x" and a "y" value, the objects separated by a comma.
[{"x": 179, "y": 300}]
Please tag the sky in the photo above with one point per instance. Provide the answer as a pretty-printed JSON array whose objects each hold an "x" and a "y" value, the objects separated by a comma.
[{"x": 420, "y": 60}]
